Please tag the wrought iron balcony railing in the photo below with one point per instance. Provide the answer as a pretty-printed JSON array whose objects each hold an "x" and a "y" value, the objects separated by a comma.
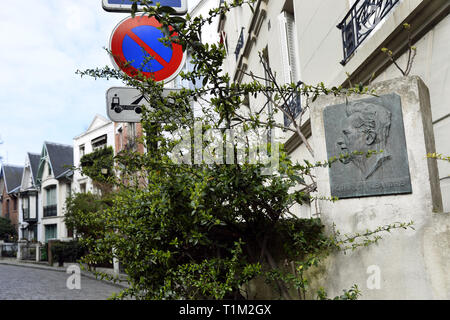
[
  {"x": 240, "y": 44},
  {"x": 295, "y": 107},
  {"x": 50, "y": 211},
  {"x": 360, "y": 22}
]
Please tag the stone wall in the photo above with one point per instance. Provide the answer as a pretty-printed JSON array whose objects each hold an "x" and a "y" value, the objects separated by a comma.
[{"x": 412, "y": 264}]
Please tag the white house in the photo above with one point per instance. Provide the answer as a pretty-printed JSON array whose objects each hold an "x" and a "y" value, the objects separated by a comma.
[
  {"x": 99, "y": 134},
  {"x": 54, "y": 178}
]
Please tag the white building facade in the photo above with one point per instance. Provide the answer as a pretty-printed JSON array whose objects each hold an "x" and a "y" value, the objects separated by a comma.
[
  {"x": 316, "y": 41},
  {"x": 100, "y": 134},
  {"x": 339, "y": 43},
  {"x": 54, "y": 180}
]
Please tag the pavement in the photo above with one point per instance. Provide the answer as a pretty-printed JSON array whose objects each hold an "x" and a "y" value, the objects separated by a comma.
[{"x": 20, "y": 280}]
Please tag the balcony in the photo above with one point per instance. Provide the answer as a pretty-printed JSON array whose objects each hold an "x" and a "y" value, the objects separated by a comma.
[
  {"x": 240, "y": 44},
  {"x": 360, "y": 21},
  {"x": 50, "y": 211},
  {"x": 295, "y": 108}
]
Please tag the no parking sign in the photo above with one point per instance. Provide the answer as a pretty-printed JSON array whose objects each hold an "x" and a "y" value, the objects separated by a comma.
[{"x": 135, "y": 47}]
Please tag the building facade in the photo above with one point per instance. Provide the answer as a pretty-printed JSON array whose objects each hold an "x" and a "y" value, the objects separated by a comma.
[
  {"x": 99, "y": 134},
  {"x": 29, "y": 197},
  {"x": 54, "y": 180},
  {"x": 339, "y": 43},
  {"x": 10, "y": 177}
]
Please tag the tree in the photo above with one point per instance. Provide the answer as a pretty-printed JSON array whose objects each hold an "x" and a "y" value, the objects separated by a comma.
[
  {"x": 85, "y": 214},
  {"x": 99, "y": 166},
  {"x": 209, "y": 226},
  {"x": 7, "y": 230}
]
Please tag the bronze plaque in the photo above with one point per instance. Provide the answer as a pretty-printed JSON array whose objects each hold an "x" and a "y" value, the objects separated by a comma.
[{"x": 363, "y": 126}]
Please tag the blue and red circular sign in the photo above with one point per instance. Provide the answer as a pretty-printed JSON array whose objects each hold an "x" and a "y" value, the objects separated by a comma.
[{"x": 135, "y": 47}]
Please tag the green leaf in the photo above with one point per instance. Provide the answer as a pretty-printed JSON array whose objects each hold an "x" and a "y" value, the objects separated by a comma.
[
  {"x": 134, "y": 8},
  {"x": 167, "y": 9}
]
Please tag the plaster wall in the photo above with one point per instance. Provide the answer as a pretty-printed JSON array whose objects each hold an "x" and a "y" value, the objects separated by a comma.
[{"x": 412, "y": 263}]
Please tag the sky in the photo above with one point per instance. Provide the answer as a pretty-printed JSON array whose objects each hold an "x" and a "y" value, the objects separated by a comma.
[{"x": 42, "y": 45}]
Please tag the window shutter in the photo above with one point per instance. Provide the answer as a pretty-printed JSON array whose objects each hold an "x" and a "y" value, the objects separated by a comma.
[
  {"x": 284, "y": 48},
  {"x": 290, "y": 30},
  {"x": 288, "y": 46}
]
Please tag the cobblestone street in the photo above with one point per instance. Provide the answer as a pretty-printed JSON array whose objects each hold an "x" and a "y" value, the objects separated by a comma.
[{"x": 23, "y": 283}]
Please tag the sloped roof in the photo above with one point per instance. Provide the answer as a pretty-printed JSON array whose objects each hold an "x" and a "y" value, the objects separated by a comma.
[
  {"x": 98, "y": 122},
  {"x": 12, "y": 176},
  {"x": 60, "y": 156},
  {"x": 34, "y": 163}
]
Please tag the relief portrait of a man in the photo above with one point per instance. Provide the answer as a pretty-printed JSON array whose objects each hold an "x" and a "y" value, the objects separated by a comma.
[
  {"x": 365, "y": 128},
  {"x": 368, "y": 137}
]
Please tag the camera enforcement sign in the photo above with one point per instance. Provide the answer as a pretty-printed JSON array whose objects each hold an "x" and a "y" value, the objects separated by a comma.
[{"x": 136, "y": 47}]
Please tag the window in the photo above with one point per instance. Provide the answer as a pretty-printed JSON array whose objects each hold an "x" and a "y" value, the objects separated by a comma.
[
  {"x": 288, "y": 42},
  {"x": 25, "y": 208},
  {"x": 224, "y": 40},
  {"x": 49, "y": 169},
  {"x": 14, "y": 204},
  {"x": 50, "y": 209},
  {"x": 83, "y": 187},
  {"x": 82, "y": 150},
  {"x": 50, "y": 195},
  {"x": 7, "y": 209},
  {"x": 99, "y": 142},
  {"x": 288, "y": 46},
  {"x": 68, "y": 190},
  {"x": 50, "y": 232},
  {"x": 240, "y": 44}
]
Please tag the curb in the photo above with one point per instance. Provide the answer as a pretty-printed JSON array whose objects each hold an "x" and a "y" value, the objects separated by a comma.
[{"x": 39, "y": 266}]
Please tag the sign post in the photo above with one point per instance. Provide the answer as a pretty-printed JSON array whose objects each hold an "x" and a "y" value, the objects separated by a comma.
[{"x": 180, "y": 6}]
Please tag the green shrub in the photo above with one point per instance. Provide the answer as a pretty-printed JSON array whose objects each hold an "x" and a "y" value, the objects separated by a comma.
[
  {"x": 7, "y": 230},
  {"x": 67, "y": 251},
  {"x": 44, "y": 252}
]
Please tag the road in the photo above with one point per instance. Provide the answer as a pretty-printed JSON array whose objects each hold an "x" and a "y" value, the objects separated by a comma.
[{"x": 24, "y": 283}]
